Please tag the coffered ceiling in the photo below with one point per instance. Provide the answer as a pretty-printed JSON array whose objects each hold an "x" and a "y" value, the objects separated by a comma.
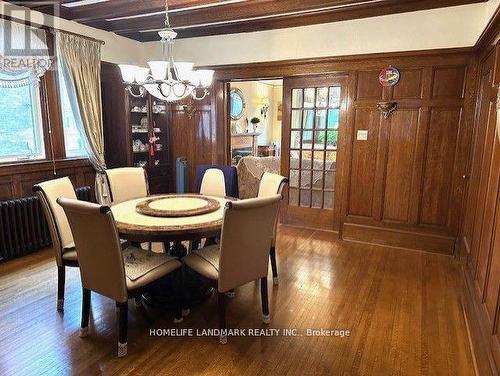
[{"x": 141, "y": 19}]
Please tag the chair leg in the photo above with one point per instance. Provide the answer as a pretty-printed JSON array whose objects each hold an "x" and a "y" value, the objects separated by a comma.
[
  {"x": 222, "y": 318},
  {"x": 266, "y": 319},
  {"x": 84, "y": 327},
  {"x": 274, "y": 267},
  {"x": 61, "y": 277},
  {"x": 122, "y": 329}
]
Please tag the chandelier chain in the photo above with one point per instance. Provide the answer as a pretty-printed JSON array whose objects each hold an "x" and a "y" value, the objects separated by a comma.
[{"x": 167, "y": 18}]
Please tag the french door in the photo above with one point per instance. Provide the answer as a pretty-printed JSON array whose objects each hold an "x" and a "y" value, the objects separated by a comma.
[{"x": 314, "y": 112}]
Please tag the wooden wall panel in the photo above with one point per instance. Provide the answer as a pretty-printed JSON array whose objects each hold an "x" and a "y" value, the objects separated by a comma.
[
  {"x": 410, "y": 85},
  {"x": 17, "y": 181},
  {"x": 400, "y": 165},
  {"x": 487, "y": 199},
  {"x": 439, "y": 163},
  {"x": 205, "y": 135},
  {"x": 114, "y": 117},
  {"x": 368, "y": 86},
  {"x": 363, "y": 163},
  {"x": 480, "y": 235},
  {"x": 488, "y": 123},
  {"x": 192, "y": 135},
  {"x": 448, "y": 82},
  {"x": 489, "y": 263},
  {"x": 485, "y": 84}
]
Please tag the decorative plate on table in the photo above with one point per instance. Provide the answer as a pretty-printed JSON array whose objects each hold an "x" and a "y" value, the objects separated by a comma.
[{"x": 176, "y": 205}]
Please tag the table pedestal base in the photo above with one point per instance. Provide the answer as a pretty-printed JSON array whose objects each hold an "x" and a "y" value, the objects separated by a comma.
[{"x": 164, "y": 295}]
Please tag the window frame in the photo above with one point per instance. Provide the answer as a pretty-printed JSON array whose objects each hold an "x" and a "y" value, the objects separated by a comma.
[{"x": 41, "y": 130}]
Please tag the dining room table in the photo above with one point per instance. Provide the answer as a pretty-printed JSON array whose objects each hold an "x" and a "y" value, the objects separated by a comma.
[{"x": 177, "y": 221}]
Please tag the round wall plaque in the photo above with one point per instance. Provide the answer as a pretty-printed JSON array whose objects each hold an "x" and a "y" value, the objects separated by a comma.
[
  {"x": 389, "y": 76},
  {"x": 177, "y": 206}
]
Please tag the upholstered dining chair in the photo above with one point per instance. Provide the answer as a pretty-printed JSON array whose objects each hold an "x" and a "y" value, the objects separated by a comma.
[
  {"x": 213, "y": 183},
  {"x": 127, "y": 183},
  {"x": 243, "y": 253},
  {"x": 62, "y": 238},
  {"x": 270, "y": 185},
  {"x": 106, "y": 269}
]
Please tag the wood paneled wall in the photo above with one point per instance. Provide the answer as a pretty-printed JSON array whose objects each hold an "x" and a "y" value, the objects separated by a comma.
[
  {"x": 17, "y": 181},
  {"x": 114, "y": 117},
  {"x": 193, "y": 135},
  {"x": 405, "y": 184},
  {"x": 480, "y": 236}
]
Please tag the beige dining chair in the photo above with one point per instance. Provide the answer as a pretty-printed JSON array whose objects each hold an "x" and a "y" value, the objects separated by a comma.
[
  {"x": 243, "y": 253},
  {"x": 62, "y": 238},
  {"x": 106, "y": 269},
  {"x": 213, "y": 183},
  {"x": 270, "y": 185},
  {"x": 127, "y": 183}
]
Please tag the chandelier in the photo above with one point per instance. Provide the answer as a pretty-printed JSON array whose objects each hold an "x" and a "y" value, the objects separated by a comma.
[{"x": 166, "y": 79}]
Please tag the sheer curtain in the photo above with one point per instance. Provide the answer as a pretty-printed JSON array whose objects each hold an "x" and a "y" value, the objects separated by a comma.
[{"x": 79, "y": 61}]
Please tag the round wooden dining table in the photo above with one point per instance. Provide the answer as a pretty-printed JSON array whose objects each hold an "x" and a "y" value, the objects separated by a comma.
[{"x": 172, "y": 219}]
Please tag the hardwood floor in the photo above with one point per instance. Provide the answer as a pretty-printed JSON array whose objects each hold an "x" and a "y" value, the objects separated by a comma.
[{"x": 402, "y": 308}]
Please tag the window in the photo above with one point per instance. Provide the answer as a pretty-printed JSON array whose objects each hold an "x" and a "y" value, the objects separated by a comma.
[
  {"x": 73, "y": 140},
  {"x": 21, "y": 131}
]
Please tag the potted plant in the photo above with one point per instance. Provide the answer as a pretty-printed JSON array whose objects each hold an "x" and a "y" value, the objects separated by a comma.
[{"x": 255, "y": 122}]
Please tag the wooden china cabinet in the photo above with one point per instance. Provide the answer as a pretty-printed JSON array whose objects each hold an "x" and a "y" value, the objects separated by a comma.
[{"x": 136, "y": 130}]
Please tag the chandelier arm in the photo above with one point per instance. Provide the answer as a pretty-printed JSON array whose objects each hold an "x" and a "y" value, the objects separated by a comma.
[
  {"x": 162, "y": 93},
  {"x": 141, "y": 94},
  {"x": 183, "y": 92}
]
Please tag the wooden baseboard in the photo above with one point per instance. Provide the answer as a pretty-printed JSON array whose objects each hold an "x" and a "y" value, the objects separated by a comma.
[
  {"x": 398, "y": 238},
  {"x": 485, "y": 348}
]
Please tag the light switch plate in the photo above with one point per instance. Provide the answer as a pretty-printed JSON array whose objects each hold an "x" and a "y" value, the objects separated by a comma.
[{"x": 362, "y": 135}]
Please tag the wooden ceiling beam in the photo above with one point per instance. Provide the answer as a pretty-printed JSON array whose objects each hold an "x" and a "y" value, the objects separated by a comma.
[
  {"x": 229, "y": 12},
  {"x": 352, "y": 11},
  {"x": 125, "y": 8}
]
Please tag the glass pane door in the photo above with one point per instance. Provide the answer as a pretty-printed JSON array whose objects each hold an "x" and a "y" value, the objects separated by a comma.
[{"x": 314, "y": 130}]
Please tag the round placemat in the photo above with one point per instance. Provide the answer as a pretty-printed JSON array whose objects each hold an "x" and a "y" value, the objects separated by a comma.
[{"x": 177, "y": 206}]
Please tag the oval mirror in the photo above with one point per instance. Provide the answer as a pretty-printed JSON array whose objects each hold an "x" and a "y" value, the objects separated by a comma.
[{"x": 237, "y": 104}]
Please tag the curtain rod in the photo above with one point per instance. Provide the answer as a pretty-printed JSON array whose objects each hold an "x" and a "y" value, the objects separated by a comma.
[{"x": 50, "y": 29}]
